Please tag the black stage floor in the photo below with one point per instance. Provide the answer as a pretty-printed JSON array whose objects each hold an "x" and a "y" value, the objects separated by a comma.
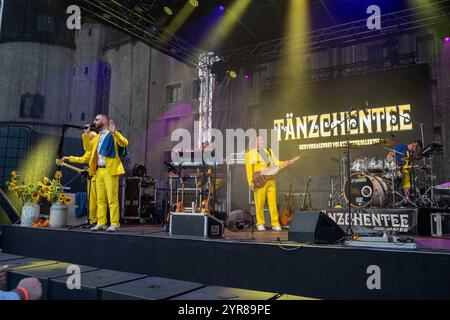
[{"x": 267, "y": 263}]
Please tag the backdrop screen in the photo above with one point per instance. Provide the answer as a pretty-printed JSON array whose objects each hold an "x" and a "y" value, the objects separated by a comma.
[{"x": 381, "y": 105}]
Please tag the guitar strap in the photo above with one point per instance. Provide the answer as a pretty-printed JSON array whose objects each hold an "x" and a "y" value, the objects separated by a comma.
[{"x": 265, "y": 155}]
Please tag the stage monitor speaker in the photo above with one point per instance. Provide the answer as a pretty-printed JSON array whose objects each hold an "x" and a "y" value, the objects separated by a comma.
[{"x": 314, "y": 227}]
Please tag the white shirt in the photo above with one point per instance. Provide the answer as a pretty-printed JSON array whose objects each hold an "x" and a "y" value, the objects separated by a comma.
[{"x": 101, "y": 159}]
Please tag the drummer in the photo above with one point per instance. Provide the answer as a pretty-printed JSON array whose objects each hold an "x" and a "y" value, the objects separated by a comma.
[{"x": 401, "y": 151}]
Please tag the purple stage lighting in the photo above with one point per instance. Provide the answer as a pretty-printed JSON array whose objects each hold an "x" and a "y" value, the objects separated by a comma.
[
  {"x": 221, "y": 8},
  {"x": 447, "y": 39},
  {"x": 246, "y": 77}
]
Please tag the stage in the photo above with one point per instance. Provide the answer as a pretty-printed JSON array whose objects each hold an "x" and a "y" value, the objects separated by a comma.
[{"x": 265, "y": 262}]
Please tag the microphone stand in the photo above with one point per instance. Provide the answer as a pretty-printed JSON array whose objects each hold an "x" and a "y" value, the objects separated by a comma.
[{"x": 346, "y": 120}]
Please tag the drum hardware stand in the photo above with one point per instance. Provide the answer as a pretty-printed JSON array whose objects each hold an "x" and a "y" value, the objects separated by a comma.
[
  {"x": 424, "y": 198},
  {"x": 346, "y": 120}
]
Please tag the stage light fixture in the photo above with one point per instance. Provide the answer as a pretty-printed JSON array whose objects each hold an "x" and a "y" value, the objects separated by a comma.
[
  {"x": 168, "y": 11},
  {"x": 193, "y": 3},
  {"x": 232, "y": 74}
]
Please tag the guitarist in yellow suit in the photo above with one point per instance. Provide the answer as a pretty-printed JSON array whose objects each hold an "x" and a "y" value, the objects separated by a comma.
[
  {"x": 105, "y": 163},
  {"x": 257, "y": 159},
  {"x": 87, "y": 137}
]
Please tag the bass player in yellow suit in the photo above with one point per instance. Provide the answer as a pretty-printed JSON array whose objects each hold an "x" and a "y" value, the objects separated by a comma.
[
  {"x": 87, "y": 137},
  {"x": 106, "y": 165},
  {"x": 257, "y": 159}
]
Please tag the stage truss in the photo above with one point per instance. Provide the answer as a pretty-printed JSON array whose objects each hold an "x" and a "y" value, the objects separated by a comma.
[
  {"x": 138, "y": 21},
  {"x": 207, "y": 83},
  {"x": 417, "y": 18}
]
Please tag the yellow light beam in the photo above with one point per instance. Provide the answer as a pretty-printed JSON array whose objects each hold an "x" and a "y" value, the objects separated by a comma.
[
  {"x": 178, "y": 21},
  {"x": 294, "y": 67},
  {"x": 224, "y": 27},
  {"x": 40, "y": 161},
  {"x": 297, "y": 28}
]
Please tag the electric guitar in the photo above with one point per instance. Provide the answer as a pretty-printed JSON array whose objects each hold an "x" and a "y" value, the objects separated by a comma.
[
  {"x": 180, "y": 204},
  {"x": 261, "y": 177},
  {"x": 60, "y": 163},
  {"x": 303, "y": 207},
  {"x": 205, "y": 203}
]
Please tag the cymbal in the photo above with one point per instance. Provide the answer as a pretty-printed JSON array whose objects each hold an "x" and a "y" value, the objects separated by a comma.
[
  {"x": 424, "y": 167},
  {"x": 385, "y": 142},
  {"x": 411, "y": 159}
]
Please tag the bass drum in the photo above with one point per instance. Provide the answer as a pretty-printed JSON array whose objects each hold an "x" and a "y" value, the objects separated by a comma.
[{"x": 366, "y": 191}]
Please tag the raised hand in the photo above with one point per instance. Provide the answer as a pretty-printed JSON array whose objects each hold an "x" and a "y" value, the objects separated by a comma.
[{"x": 112, "y": 126}]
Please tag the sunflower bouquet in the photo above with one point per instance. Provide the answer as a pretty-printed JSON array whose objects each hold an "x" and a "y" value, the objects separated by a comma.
[
  {"x": 27, "y": 192},
  {"x": 52, "y": 190}
]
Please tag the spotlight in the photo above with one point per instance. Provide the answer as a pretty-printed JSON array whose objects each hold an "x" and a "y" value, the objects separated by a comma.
[
  {"x": 447, "y": 39},
  {"x": 232, "y": 74},
  {"x": 221, "y": 9},
  {"x": 246, "y": 76},
  {"x": 193, "y": 3},
  {"x": 168, "y": 11}
]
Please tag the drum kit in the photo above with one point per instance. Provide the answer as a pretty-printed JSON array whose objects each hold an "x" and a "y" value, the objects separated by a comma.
[{"x": 376, "y": 182}]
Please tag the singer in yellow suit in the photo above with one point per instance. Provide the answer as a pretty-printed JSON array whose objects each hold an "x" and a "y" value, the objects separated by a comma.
[
  {"x": 257, "y": 159},
  {"x": 105, "y": 164},
  {"x": 87, "y": 137}
]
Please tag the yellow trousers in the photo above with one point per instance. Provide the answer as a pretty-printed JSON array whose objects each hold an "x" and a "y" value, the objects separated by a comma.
[
  {"x": 269, "y": 191},
  {"x": 107, "y": 188},
  {"x": 92, "y": 192},
  {"x": 406, "y": 179}
]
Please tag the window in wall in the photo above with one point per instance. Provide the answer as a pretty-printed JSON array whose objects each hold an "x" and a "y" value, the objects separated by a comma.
[
  {"x": 14, "y": 145},
  {"x": 425, "y": 48},
  {"x": 259, "y": 77},
  {"x": 32, "y": 106},
  {"x": 174, "y": 93},
  {"x": 196, "y": 89},
  {"x": 45, "y": 23}
]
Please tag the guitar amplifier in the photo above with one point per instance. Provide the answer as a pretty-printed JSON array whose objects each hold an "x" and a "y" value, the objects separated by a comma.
[
  {"x": 138, "y": 198},
  {"x": 195, "y": 224}
]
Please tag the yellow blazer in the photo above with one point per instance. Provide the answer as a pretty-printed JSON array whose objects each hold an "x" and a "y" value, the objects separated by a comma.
[
  {"x": 87, "y": 147},
  {"x": 254, "y": 162},
  {"x": 114, "y": 165},
  {"x": 87, "y": 140}
]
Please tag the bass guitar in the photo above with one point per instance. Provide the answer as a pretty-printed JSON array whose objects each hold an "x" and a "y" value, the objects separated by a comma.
[
  {"x": 261, "y": 177},
  {"x": 68, "y": 166}
]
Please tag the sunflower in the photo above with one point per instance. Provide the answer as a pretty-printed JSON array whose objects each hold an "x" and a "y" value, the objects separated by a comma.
[
  {"x": 11, "y": 186},
  {"x": 13, "y": 174},
  {"x": 15, "y": 179},
  {"x": 58, "y": 175},
  {"x": 61, "y": 198},
  {"x": 35, "y": 196},
  {"x": 46, "y": 188},
  {"x": 46, "y": 181},
  {"x": 68, "y": 200}
]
